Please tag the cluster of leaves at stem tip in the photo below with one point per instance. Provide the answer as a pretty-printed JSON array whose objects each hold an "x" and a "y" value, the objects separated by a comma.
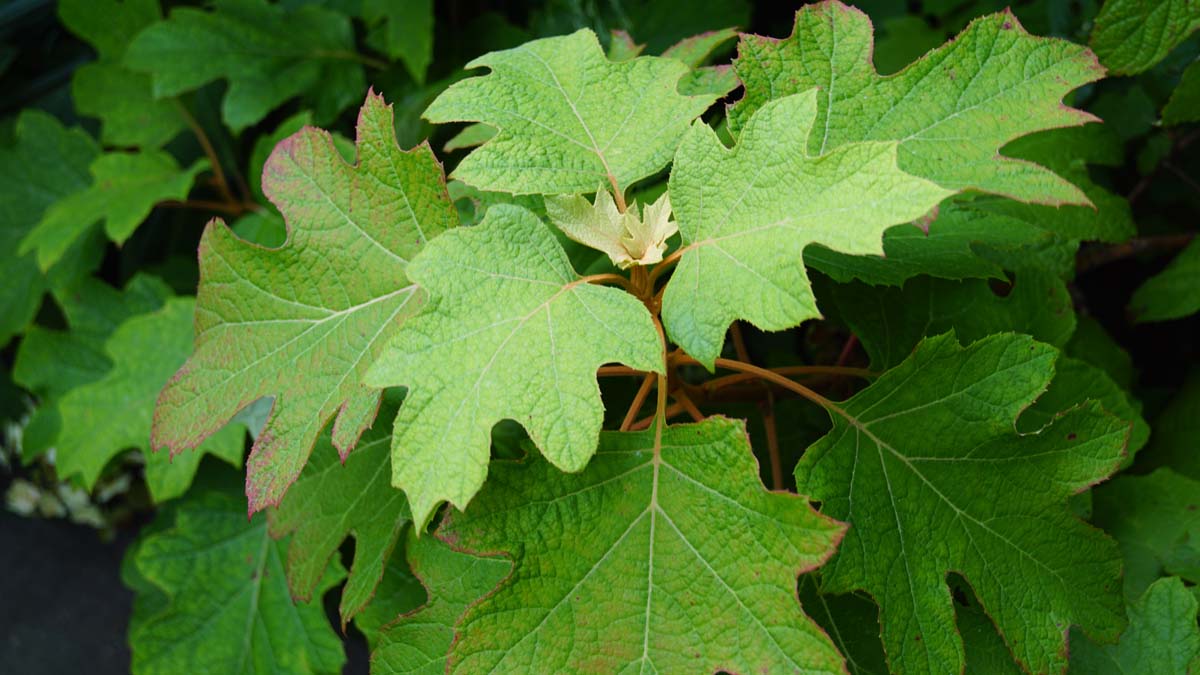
[{"x": 424, "y": 353}]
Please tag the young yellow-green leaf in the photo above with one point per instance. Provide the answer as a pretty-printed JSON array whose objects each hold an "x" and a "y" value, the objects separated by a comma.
[
  {"x": 926, "y": 467},
  {"x": 1184, "y": 104},
  {"x": 663, "y": 556},
  {"x": 951, "y": 111},
  {"x": 47, "y": 163},
  {"x": 331, "y": 501},
  {"x": 511, "y": 332},
  {"x": 224, "y": 605},
  {"x": 113, "y": 413},
  {"x": 635, "y": 236},
  {"x": 124, "y": 189},
  {"x": 747, "y": 213},
  {"x": 1133, "y": 35},
  {"x": 129, "y": 113},
  {"x": 268, "y": 54},
  {"x": 51, "y": 363},
  {"x": 418, "y": 643},
  {"x": 568, "y": 118},
  {"x": 1162, "y": 637},
  {"x": 404, "y": 30},
  {"x": 303, "y": 322},
  {"x": 1172, "y": 293},
  {"x": 1156, "y": 520}
]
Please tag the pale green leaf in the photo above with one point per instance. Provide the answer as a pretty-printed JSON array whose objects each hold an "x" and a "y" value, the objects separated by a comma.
[
  {"x": 473, "y": 135},
  {"x": 1133, "y": 35},
  {"x": 666, "y": 555},
  {"x": 747, "y": 213},
  {"x": 303, "y": 322},
  {"x": 1184, "y": 104},
  {"x": 695, "y": 51},
  {"x": 951, "y": 111},
  {"x": 47, "y": 163},
  {"x": 124, "y": 189},
  {"x": 1155, "y": 518},
  {"x": 113, "y": 413},
  {"x": 1173, "y": 293},
  {"x": 511, "y": 332},
  {"x": 621, "y": 46},
  {"x": 332, "y": 500},
  {"x": 926, "y": 467},
  {"x": 1162, "y": 637},
  {"x": 223, "y": 604},
  {"x": 418, "y": 643},
  {"x": 267, "y": 53},
  {"x": 568, "y": 118},
  {"x": 404, "y": 29}
]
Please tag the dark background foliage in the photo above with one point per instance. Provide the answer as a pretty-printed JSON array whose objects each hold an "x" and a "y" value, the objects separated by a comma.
[{"x": 64, "y": 607}]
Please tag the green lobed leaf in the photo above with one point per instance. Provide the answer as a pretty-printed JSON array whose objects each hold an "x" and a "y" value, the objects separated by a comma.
[
  {"x": 1162, "y": 637},
  {"x": 1184, "y": 104},
  {"x": 974, "y": 497},
  {"x": 267, "y": 53},
  {"x": 665, "y": 555},
  {"x": 511, "y": 332},
  {"x": 1075, "y": 383},
  {"x": 303, "y": 322},
  {"x": 746, "y": 214},
  {"x": 984, "y": 648},
  {"x": 398, "y": 593},
  {"x": 951, "y": 111},
  {"x": 50, "y": 363},
  {"x": 1170, "y": 294},
  {"x": 129, "y": 113},
  {"x": 1133, "y": 35},
  {"x": 125, "y": 187},
  {"x": 975, "y": 236},
  {"x": 953, "y": 246},
  {"x": 568, "y": 118},
  {"x": 419, "y": 641},
  {"x": 332, "y": 500},
  {"x": 850, "y": 620},
  {"x": 1156, "y": 520},
  {"x": 113, "y": 413},
  {"x": 404, "y": 30},
  {"x": 223, "y": 604},
  {"x": 47, "y": 163},
  {"x": 890, "y": 322}
]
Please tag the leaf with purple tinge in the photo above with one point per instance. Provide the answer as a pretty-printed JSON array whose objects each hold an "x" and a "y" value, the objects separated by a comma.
[{"x": 301, "y": 323}]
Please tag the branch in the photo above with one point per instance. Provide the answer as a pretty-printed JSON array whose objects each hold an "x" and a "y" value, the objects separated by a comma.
[
  {"x": 206, "y": 145},
  {"x": 1097, "y": 256},
  {"x": 639, "y": 400},
  {"x": 768, "y": 415}
]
